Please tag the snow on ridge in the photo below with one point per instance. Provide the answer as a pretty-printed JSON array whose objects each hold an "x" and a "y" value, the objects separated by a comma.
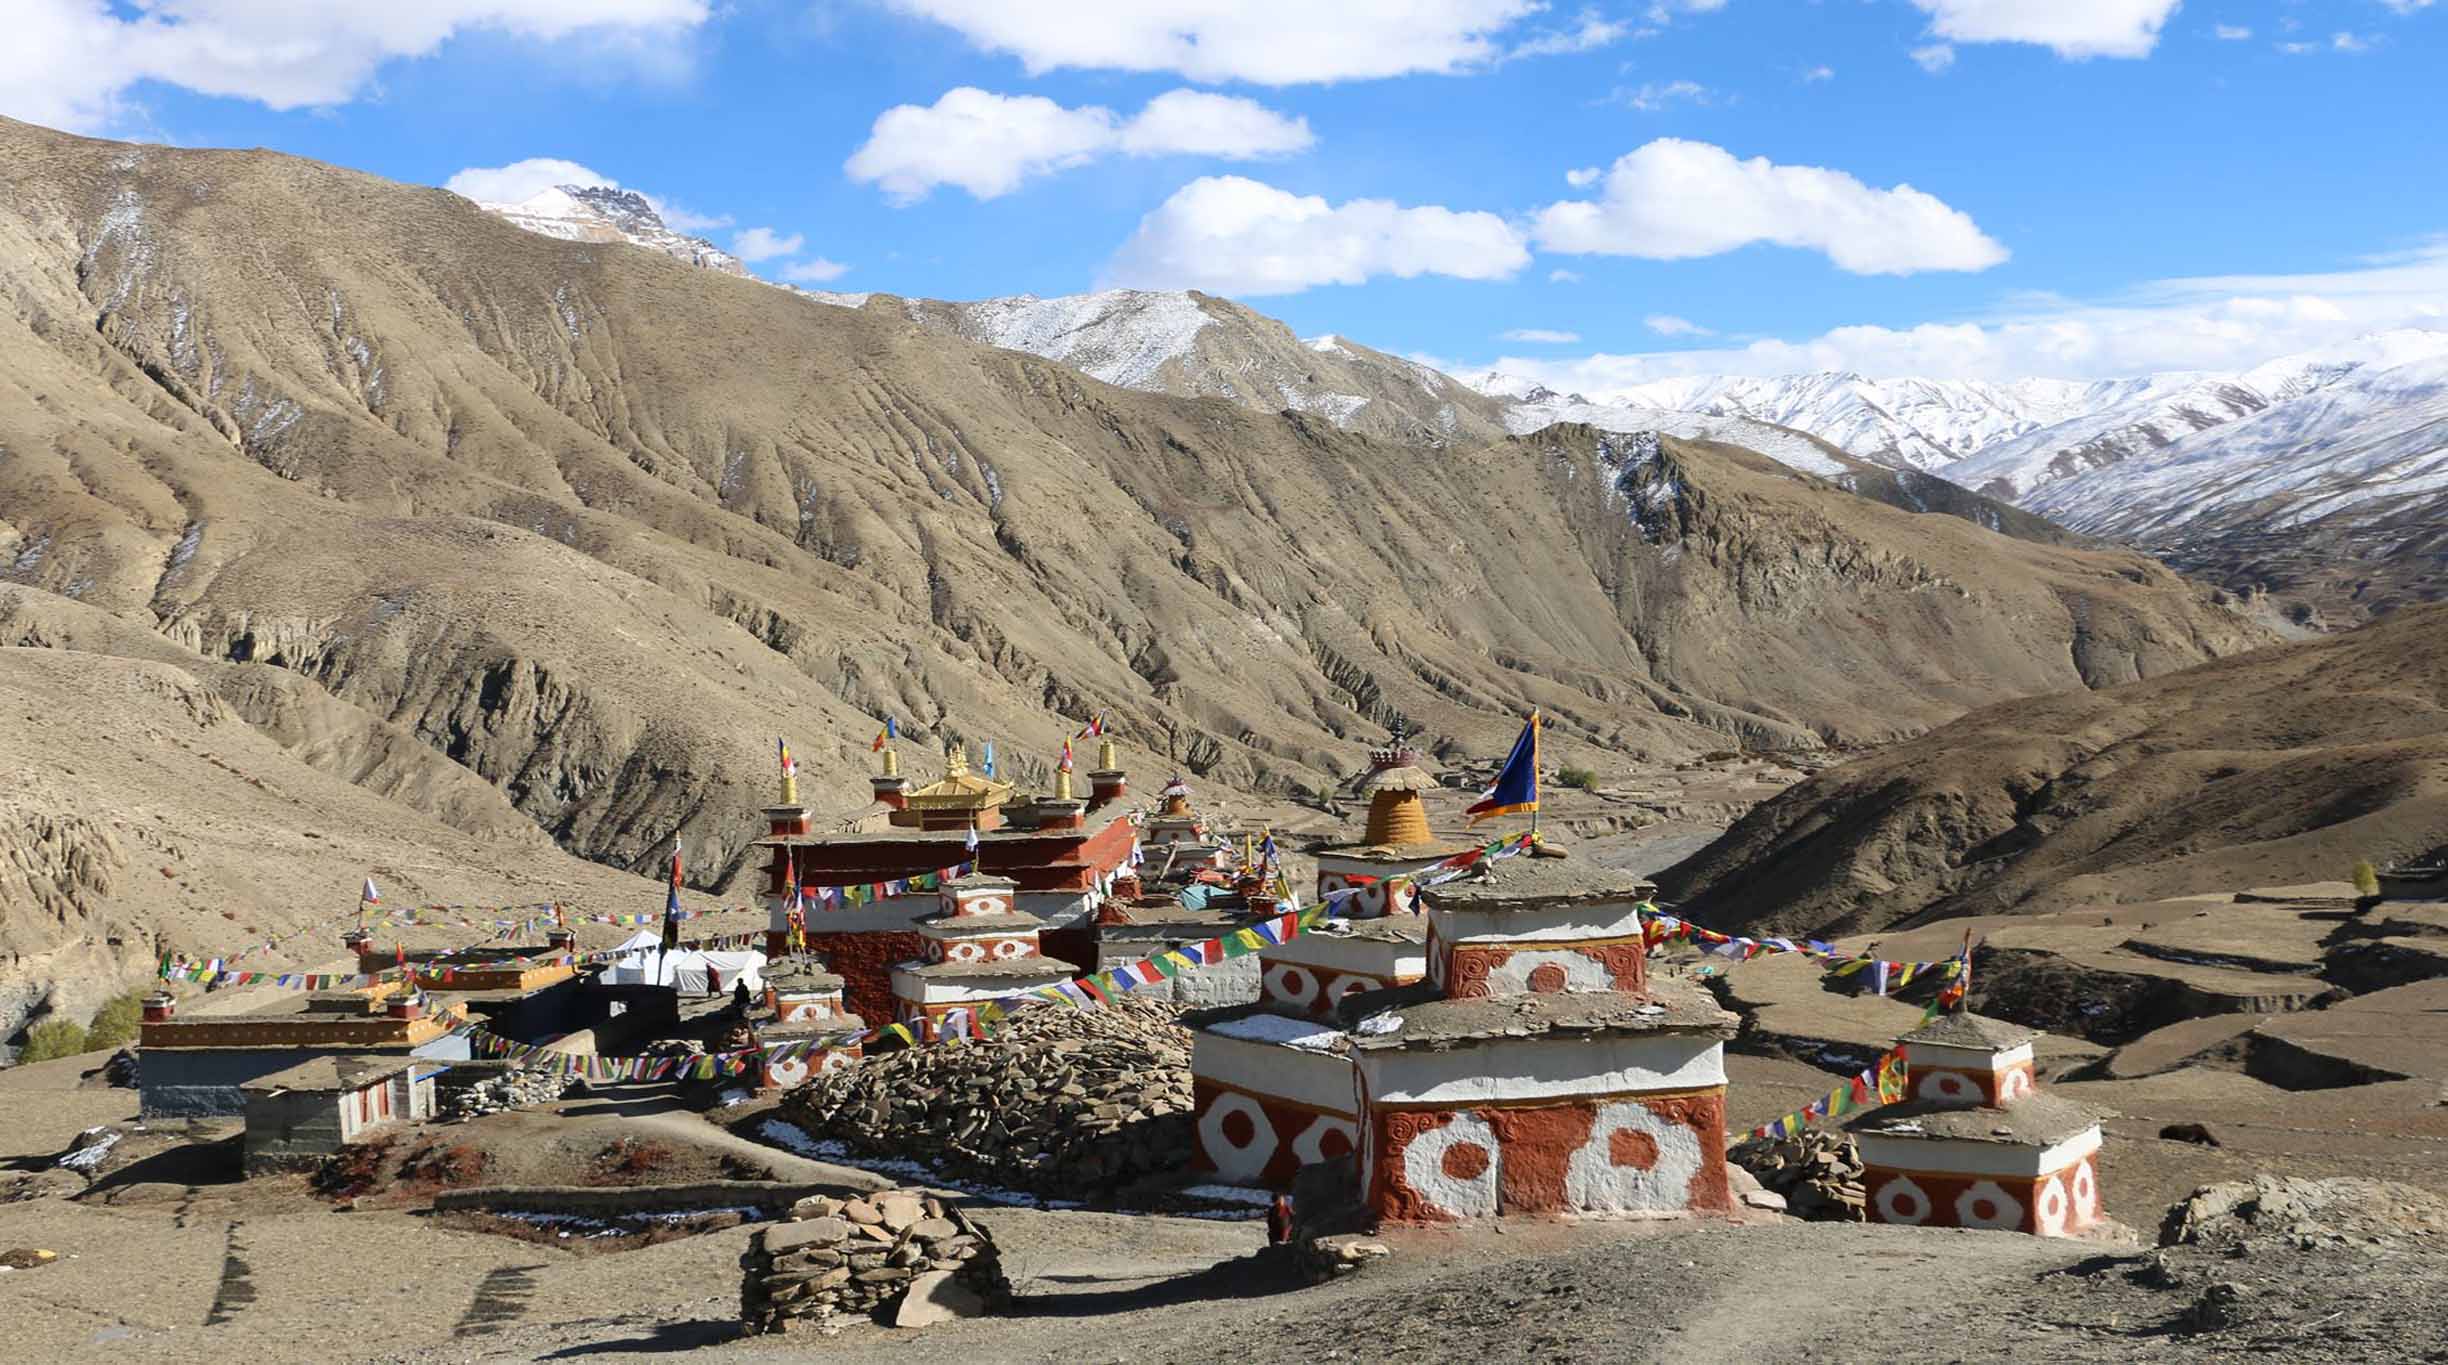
[
  {"x": 1121, "y": 336},
  {"x": 1785, "y": 447},
  {"x": 2369, "y": 433}
]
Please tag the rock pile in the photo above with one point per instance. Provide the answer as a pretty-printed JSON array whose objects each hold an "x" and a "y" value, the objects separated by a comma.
[
  {"x": 1818, "y": 1173},
  {"x": 837, "y": 1258},
  {"x": 465, "y": 1093},
  {"x": 1063, "y": 1104}
]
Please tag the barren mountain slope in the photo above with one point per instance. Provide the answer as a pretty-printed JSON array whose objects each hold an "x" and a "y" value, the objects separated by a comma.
[
  {"x": 596, "y": 525},
  {"x": 145, "y": 812},
  {"x": 2279, "y": 766}
]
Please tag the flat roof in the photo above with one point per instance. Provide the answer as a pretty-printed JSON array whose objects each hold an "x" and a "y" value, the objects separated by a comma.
[
  {"x": 1403, "y": 928},
  {"x": 2036, "y": 1120},
  {"x": 1526, "y": 882},
  {"x": 994, "y": 966},
  {"x": 335, "y": 1073},
  {"x": 1416, "y": 1016}
]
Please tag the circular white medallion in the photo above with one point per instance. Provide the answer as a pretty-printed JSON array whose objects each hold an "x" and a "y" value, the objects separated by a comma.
[
  {"x": 1243, "y": 1160},
  {"x": 2013, "y": 1085},
  {"x": 1291, "y": 985},
  {"x": 2086, "y": 1191},
  {"x": 1310, "y": 1146},
  {"x": 1635, "y": 1159},
  {"x": 1453, "y": 1169},
  {"x": 966, "y": 952},
  {"x": 1009, "y": 948},
  {"x": 1520, "y": 973},
  {"x": 2049, "y": 1208},
  {"x": 786, "y": 1071},
  {"x": 837, "y": 1061},
  {"x": 1902, "y": 1201},
  {"x": 1951, "y": 1087},
  {"x": 1987, "y": 1205}
]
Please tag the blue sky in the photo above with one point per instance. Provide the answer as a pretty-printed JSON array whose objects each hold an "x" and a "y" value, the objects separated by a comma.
[{"x": 2096, "y": 186}]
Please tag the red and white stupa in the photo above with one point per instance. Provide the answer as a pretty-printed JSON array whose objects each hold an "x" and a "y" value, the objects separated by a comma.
[
  {"x": 1272, "y": 1083},
  {"x": 806, "y": 1001},
  {"x": 1540, "y": 1070},
  {"x": 977, "y": 947},
  {"x": 1976, "y": 1143}
]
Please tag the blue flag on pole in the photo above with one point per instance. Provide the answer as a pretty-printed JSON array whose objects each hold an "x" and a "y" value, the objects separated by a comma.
[{"x": 1516, "y": 788}]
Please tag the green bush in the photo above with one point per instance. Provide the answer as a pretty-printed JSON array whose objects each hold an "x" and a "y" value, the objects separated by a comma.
[
  {"x": 51, "y": 1038},
  {"x": 1582, "y": 778},
  {"x": 116, "y": 1023},
  {"x": 2366, "y": 877}
]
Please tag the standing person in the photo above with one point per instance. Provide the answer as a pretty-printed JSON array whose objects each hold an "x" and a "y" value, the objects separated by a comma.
[{"x": 1279, "y": 1220}]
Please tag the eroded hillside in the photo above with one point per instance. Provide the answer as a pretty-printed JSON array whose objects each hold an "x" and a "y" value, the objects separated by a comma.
[
  {"x": 2271, "y": 766},
  {"x": 593, "y": 527}
]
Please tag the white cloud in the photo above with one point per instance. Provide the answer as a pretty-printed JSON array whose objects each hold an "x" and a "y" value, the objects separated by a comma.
[
  {"x": 1195, "y": 123},
  {"x": 1817, "y": 74},
  {"x": 2215, "y": 323},
  {"x": 988, "y": 144},
  {"x": 2348, "y": 42},
  {"x": 69, "y": 63},
  {"x": 1230, "y": 235},
  {"x": 1673, "y": 199},
  {"x": 1934, "y": 58},
  {"x": 522, "y": 180},
  {"x": 1539, "y": 336},
  {"x": 2231, "y": 33},
  {"x": 1668, "y": 325},
  {"x": 817, "y": 271},
  {"x": 1562, "y": 276},
  {"x": 1654, "y": 95},
  {"x": 2406, "y": 6},
  {"x": 1662, "y": 12},
  {"x": 679, "y": 219},
  {"x": 764, "y": 244},
  {"x": 1582, "y": 177},
  {"x": 1587, "y": 33},
  {"x": 2069, "y": 28},
  {"x": 2299, "y": 49},
  {"x": 1266, "y": 42}
]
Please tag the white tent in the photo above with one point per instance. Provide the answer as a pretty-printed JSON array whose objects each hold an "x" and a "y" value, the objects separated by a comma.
[{"x": 691, "y": 971}]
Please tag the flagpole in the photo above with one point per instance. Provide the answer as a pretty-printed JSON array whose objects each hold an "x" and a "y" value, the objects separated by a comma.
[{"x": 1535, "y": 727}]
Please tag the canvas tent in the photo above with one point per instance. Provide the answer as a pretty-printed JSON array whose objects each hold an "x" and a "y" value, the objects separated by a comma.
[{"x": 688, "y": 970}]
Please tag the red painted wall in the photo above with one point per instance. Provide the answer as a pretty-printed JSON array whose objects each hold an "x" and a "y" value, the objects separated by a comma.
[
  {"x": 864, "y": 961},
  {"x": 1535, "y": 1146}
]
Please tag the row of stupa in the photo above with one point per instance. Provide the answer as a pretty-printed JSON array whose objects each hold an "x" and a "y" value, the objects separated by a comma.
[{"x": 1499, "y": 1046}]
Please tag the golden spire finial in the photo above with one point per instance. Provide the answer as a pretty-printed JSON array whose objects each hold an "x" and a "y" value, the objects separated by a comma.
[
  {"x": 1062, "y": 784},
  {"x": 956, "y": 759},
  {"x": 892, "y": 761},
  {"x": 1105, "y": 755}
]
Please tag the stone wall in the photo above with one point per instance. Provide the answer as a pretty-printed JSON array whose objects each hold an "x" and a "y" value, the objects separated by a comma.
[
  {"x": 1231, "y": 982},
  {"x": 901, "y": 1250}
]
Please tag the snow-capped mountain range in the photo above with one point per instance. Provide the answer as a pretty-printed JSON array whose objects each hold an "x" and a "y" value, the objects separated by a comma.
[
  {"x": 596, "y": 213},
  {"x": 2348, "y": 441}
]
